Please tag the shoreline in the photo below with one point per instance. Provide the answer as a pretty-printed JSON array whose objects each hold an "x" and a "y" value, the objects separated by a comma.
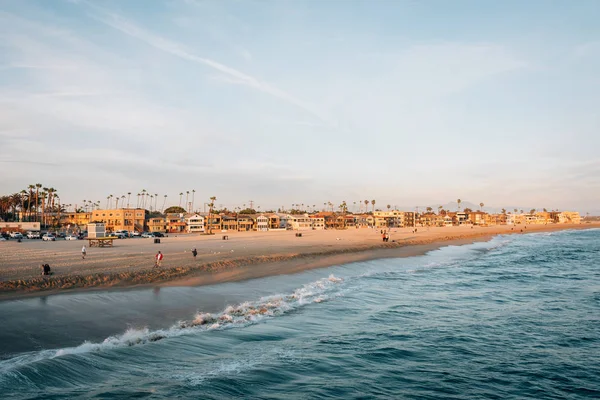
[{"x": 243, "y": 268}]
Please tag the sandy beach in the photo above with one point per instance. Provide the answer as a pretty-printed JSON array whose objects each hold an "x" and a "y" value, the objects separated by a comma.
[{"x": 245, "y": 255}]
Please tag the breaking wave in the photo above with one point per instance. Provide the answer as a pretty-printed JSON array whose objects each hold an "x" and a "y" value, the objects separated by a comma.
[{"x": 241, "y": 315}]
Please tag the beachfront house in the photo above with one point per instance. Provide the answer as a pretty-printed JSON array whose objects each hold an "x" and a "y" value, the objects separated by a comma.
[
  {"x": 195, "y": 223},
  {"x": 212, "y": 223},
  {"x": 477, "y": 217},
  {"x": 274, "y": 221},
  {"x": 176, "y": 222},
  {"x": 300, "y": 222},
  {"x": 245, "y": 222},
  {"x": 229, "y": 223},
  {"x": 283, "y": 221},
  {"x": 157, "y": 224},
  {"x": 317, "y": 223},
  {"x": 262, "y": 223}
]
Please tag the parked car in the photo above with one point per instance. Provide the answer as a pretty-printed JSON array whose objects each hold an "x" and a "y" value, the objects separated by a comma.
[
  {"x": 5, "y": 235},
  {"x": 33, "y": 235},
  {"x": 61, "y": 235},
  {"x": 158, "y": 234},
  {"x": 147, "y": 235},
  {"x": 135, "y": 234},
  {"x": 16, "y": 235},
  {"x": 119, "y": 235},
  {"x": 2, "y": 239},
  {"x": 49, "y": 237},
  {"x": 71, "y": 237}
]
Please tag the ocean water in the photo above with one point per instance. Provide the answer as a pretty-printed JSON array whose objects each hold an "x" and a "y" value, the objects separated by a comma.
[{"x": 517, "y": 317}]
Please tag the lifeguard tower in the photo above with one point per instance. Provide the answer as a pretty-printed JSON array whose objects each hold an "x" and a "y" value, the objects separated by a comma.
[{"x": 97, "y": 236}]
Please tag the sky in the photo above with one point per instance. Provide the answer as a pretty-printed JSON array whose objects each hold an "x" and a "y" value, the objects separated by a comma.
[{"x": 288, "y": 102}]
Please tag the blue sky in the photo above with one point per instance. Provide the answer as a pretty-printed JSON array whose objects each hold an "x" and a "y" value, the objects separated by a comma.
[{"x": 406, "y": 102}]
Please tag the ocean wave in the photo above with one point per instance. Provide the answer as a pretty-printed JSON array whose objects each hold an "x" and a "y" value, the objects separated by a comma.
[{"x": 239, "y": 315}]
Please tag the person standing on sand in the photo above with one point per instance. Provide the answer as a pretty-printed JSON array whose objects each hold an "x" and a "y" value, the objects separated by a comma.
[
  {"x": 194, "y": 252},
  {"x": 83, "y": 252},
  {"x": 159, "y": 256}
]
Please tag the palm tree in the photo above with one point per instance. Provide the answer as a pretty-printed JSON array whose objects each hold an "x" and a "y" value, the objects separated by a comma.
[
  {"x": 15, "y": 199},
  {"x": 37, "y": 192},
  {"x": 429, "y": 209},
  {"x": 137, "y": 205},
  {"x": 481, "y": 206},
  {"x": 180, "y": 198},
  {"x": 128, "y": 196},
  {"x": 388, "y": 207},
  {"x": 503, "y": 211},
  {"x": 373, "y": 204},
  {"x": 155, "y": 201},
  {"x": 440, "y": 209},
  {"x": 458, "y": 201},
  {"x": 30, "y": 187},
  {"x": 107, "y": 199},
  {"x": 164, "y": 201},
  {"x": 23, "y": 194},
  {"x": 366, "y": 205},
  {"x": 210, "y": 208},
  {"x": 144, "y": 193},
  {"x": 515, "y": 210},
  {"x": 193, "y": 195},
  {"x": 187, "y": 196},
  {"x": 44, "y": 196},
  {"x": 123, "y": 201},
  {"x": 117, "y": 202}
]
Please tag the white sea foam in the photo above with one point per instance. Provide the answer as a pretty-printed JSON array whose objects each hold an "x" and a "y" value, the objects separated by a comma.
[{"x": 243, "y": 314}]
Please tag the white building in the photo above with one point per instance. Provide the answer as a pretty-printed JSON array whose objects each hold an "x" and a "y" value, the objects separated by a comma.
[
  {"x": 262, "y": 223},
  {"x": 299, "y": 222},
  {"x": 195, "y": 223}
]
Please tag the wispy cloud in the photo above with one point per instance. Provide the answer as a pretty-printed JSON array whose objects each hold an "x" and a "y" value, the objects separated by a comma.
[{"x": 177, "y": 49}]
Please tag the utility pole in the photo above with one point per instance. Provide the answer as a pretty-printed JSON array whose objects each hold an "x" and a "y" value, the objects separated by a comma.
[{"x": 251, "y": 204}]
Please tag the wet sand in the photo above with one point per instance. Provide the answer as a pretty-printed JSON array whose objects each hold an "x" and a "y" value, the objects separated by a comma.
[{"x": 246, "y": 255}]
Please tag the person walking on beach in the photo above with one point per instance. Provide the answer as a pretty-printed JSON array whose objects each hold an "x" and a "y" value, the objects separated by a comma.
[
  {"x": 159, "y": 256},
  {"x": 194, "y": 252},
  {"x": 83, "y": 252}
]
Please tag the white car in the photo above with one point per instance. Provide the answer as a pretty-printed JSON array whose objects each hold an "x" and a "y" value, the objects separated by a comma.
[
  {"x": 16, "y": 235},
  {"x": 71, "y": 237},
  {"x": 134, "y": 233},
  {"x": 147, "y": 235},
  {"x": 49, "y": 237},
  {"x": 33, "y": 235}
]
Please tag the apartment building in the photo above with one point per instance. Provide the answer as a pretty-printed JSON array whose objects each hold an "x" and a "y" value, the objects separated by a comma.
[
  {"x": 129, "y": 219},
  {"x": 318, "y": 223},
  {"x": 74, "y": 219}
]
